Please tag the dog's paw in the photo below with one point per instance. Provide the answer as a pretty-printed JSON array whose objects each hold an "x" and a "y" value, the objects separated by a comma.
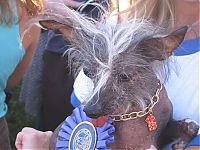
[
  {"x": 190, "y": 127},
  {"x": 179, "y": 146}
]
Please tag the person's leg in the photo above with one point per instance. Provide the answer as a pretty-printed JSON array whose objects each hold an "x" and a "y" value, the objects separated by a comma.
[{"x": 4, "y": 135}]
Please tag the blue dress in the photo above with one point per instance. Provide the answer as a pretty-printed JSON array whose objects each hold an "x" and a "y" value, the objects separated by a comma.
[{"x": 11, "y": 52}]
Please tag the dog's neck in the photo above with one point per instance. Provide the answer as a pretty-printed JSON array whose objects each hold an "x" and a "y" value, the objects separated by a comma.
[
  {"x": 135, "y": 135},
  {"x": 130, "y": 134}
]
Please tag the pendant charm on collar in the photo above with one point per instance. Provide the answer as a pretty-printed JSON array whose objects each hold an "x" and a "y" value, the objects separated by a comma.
[{"x": 151, "y": 122}]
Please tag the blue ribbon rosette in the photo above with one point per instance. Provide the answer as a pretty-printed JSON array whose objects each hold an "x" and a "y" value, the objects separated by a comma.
[{"x": 78, "y": 133}]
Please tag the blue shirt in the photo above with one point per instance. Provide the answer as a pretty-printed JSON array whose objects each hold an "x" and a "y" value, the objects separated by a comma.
[
  {"x": 11, "y": 52},
  {"x": 188, "y": 47}
]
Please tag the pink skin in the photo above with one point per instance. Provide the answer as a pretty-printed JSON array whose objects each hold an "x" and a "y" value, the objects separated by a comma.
[
  {"x": 73, "y": 4},
  {"x": 187, "y": 12},
  {"x": 30, "y": 138},
  {"x": 192, "y": 0}
]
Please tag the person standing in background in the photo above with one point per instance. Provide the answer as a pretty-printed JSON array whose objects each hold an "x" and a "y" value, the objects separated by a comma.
[
  {"x": 14, "y": 55},
  {"x": 183, "y": 83}
]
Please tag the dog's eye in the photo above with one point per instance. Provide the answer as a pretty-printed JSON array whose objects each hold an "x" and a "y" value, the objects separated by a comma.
[{"x": 124, "y": 77}]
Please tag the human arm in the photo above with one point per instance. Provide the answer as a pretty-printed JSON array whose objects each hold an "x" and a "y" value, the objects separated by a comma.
[
  {"x": 193, "y": 148},
  {"x": 70, "y": 3},
  {"x": 194, "y": 144},
  {"x": 29, "y": 42}
]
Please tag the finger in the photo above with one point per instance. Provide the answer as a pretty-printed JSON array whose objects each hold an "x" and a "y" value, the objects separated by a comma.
[
  {"x": 49, "y": 133},
  {"x": 18, "y": 141},
  {"x": 27, "y": 129},
  {"x": 30, "y": 130},
  {"x": 72, "y": 3}
]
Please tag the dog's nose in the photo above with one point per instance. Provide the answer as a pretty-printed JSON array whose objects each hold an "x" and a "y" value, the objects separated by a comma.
[{"x": 93, "y": 111}]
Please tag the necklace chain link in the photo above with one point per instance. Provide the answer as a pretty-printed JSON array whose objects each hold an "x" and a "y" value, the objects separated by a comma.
[{"x": 142, "y": 113}]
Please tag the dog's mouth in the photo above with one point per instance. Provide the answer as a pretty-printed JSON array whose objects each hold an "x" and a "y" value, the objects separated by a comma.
[{"x": 93, "y": 116}]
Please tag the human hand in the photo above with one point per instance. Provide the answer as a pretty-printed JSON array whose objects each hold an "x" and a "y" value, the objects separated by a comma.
[
  {"x": 193, "y": 148},
  {"x": 72, "y": 3},
  {"x": 30, "y": 138}
]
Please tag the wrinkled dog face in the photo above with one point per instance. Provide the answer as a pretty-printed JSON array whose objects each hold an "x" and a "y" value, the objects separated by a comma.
[
  {"x": 131, "y": 80},
  {"x": 129, "y": 87},
  {"x": 118, "y": 58}
]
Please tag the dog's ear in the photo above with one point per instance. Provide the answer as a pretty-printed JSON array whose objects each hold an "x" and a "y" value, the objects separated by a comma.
[
  {"x": 56, "y": 15},
  {"x": 161, "y": 47},
  {"x": 66, "y": 30},
  {"x": 51, "y": 24}
]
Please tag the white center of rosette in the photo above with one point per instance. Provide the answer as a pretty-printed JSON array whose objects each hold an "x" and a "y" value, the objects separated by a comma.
[
  {"x": 83, "y": 137},
  {"x": 82, "y": 140},
  {"x": 83, "y": 86}
]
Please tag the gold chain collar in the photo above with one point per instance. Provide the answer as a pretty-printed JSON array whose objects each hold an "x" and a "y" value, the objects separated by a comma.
[{"x": 139, "y": 114}]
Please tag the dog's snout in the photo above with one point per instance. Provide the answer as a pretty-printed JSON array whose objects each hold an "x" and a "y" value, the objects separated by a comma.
[{"x": 93, "y": 111}]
